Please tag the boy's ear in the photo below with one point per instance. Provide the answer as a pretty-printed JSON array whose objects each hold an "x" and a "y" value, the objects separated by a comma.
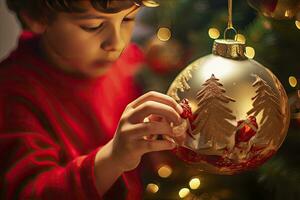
[{"x": 36, "y": 26}]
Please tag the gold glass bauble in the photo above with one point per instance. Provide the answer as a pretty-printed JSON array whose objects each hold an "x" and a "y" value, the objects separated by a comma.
[{"x": 240, "y": 112}]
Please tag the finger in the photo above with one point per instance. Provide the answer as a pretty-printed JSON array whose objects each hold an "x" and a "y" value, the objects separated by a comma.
[
  {"x": 155, "y": 118},
  {"x": 158, "y": 97},
  {"x": 151, "y": 107},
  {"x": 155, "y": 145},
  {"x": 140, "y": 130}
]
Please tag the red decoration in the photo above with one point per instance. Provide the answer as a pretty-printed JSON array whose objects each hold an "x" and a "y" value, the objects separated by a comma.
[
  {"x": 188, "y": 114},
  {"x": 230, "y": 165},
  {"x": 247, "y": 129},
  {"x": 187, "y": 110}
]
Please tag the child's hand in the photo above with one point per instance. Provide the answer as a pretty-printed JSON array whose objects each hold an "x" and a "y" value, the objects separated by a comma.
[{"x": 129, "y": 143}]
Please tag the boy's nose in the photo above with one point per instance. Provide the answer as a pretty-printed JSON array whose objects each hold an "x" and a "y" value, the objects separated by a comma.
[{"x": 113, "y": 40}]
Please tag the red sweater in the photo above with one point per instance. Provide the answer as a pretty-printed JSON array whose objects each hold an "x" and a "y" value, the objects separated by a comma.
[{"x": 51, "y": 125}]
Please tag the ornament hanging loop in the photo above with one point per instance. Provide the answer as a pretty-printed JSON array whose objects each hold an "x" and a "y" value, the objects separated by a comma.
[
  {"x": 230, "y": 24},
  {"x": 228, "y": 29}
]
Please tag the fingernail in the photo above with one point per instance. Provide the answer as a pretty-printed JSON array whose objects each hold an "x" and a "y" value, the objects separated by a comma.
[
  {"x": 180, "y": 120},
  {"x": 179, "y": 108},
  {"x": 177, "y": 133},
  {"x": 172, "y": 145}
]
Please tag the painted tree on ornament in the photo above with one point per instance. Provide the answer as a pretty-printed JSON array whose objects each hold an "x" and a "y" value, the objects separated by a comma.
[
  {"x": 268, "y": 103},
  {"x": 213, "y": 117},
  {"x": 182, "y": 83}
]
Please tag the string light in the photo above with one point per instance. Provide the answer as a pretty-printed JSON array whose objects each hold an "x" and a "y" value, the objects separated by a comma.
[
  {"x": 293, "y": 81},
  {"x": 183, "y": 192},
  {"x": 214, "y": 33},
  {"x": 164, "y": 34},
  {"x": 297, "y": 22},
  {"x": 152, "y": 188},
  {"x": 250, "y": 52},
  {"x": 165, "y": 171},
  {"x": 194, "y": 183}
]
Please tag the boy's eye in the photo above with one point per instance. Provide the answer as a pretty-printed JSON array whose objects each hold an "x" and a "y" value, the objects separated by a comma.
[
  {"x": 128, "y": 19},
  {"x": 92, "y": 28}
]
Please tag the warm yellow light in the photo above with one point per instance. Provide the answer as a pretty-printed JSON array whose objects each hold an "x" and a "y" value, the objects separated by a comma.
[
  {"x": 194, "y": 183},
  {"x": 214, "y": 33},
  {"x": 240, "y": 38},
  {"x": 293, "y": 81},
  {"x": 164, "y": 34},
  {"x": 297, "y": 22},
  {"x": 152, "y": 188},
  {"x": 288, "y": 13},
  {"x": 183, "y": 192},
  {"x": 165, "y": 171},
  {"x": 150, "y": 3},
  {"x": 250, "y": 52}
]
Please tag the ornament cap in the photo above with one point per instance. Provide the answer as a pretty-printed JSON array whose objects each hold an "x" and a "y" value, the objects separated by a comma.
[{"x": 229, "y": 49}]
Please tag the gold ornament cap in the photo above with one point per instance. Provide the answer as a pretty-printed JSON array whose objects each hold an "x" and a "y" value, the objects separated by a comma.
[{"x": 229, "y": 49}]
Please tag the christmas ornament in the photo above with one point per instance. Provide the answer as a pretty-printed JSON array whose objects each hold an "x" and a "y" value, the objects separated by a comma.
[
  {"x": 240, "y": 113},
  {"x": 278, "y": 9}
]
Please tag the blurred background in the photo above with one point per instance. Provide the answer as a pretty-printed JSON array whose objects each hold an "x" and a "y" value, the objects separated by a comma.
[{"x": 180, "y": 31}]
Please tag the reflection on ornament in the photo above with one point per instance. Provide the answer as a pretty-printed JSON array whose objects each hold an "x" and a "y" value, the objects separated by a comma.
[
  {"x": 183, "y": 192},
  {"x": 240, "y": 38},
  {"x": 250, "y": 52},
  {"x": 297, "y": 23},
  {"x": 293, "y": 81},
  {"x": 165, "y": 171},
  {"x": 164, "y": 34},
  {"x": 152, "y": 188},
  {"x": 194, "y": 183},
  {"x": 240, "y": 112},
  {"x": 214, "y": 33}
]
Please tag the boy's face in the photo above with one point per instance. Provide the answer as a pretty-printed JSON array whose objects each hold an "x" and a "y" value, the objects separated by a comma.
[{"x": 87, "y": 43}]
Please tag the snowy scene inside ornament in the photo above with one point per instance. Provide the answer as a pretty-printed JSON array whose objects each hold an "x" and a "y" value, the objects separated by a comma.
[{"x": 236, "y": 112}]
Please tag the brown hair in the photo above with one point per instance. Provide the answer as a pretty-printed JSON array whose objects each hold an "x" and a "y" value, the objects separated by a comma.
[{"x": 46, "y": 9}]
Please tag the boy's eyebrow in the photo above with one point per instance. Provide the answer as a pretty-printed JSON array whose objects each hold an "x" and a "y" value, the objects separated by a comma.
[{"x": 93, "y": 16}]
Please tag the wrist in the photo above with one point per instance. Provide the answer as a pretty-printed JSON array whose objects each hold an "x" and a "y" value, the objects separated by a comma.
[
  {"x": 105, "y": 158},
  {"x": 106, "y": 169}
]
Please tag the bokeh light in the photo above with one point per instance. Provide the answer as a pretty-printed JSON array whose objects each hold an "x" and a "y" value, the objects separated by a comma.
[
  {"x": 194, "y": 183},
  {"x": 165, "y": 171},
  {"x": 250, "y": 52},
  {"x": 240, "y": 38},
  {"x": 150, "y": 3},
  {"x": 214, "y": 33},
  {"x": 297, "y": 22},
  {"x": 183, "y": 192},
  {"x": 152, "y": 188},
  {"x": 293, "y": 81},
  {"x": 164, "y": 34}
]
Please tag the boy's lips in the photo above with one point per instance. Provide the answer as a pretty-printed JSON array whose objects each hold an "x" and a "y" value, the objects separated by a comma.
[{"x": 103, "y": 63}]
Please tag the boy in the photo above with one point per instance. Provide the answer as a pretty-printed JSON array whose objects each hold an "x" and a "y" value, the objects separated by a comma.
[{"x": 69, "y": 124}]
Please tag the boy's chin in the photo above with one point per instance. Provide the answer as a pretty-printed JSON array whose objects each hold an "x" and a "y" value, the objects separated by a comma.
[{"x": 97, "y": 71}]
